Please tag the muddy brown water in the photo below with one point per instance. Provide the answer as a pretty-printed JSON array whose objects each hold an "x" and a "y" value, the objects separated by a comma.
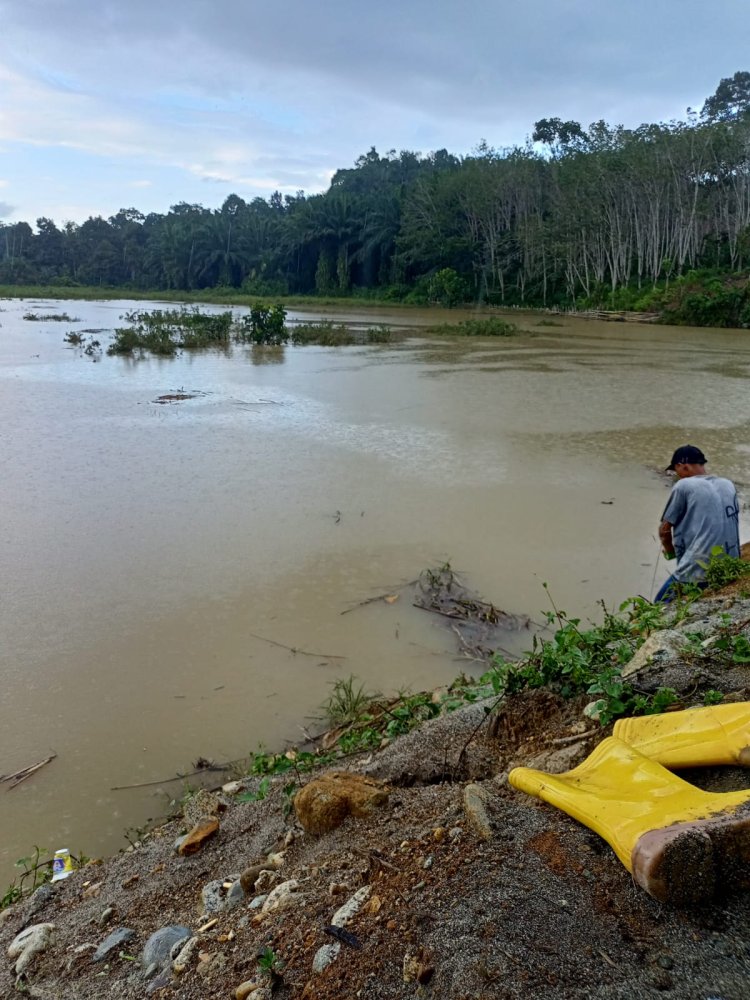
[{"x": 150, "y": 548}]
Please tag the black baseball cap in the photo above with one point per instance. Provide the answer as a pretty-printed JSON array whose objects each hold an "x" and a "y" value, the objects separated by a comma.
[{"x": 688, "y": 454}]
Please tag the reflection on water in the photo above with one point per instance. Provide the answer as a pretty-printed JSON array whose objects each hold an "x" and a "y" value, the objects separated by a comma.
[{"x": 145, "y": 547}]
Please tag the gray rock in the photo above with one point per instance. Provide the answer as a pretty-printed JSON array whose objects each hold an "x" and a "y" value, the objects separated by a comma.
[
  {"x": 29, "y": 943},
  {"x": 40, "y": 898},
  {"x": 212, "y": 895},
  {"x": 118, "y": 937},
  {"x": 258, "y": 901},
  {"x": 106, "y": 915},
  {"x": 235, "y": 895},
  {"x": 326, "y": 954},
  {"x": 475, "y": 807},
  {"x": 659, "y": 648},
  {"x": 283, "y": 896},
  {"x": 158, "y": 949},
  {"x": 184, "y": 956}
]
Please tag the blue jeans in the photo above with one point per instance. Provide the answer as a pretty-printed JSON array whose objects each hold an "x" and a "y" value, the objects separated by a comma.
[{"x": 670, "y": 590}]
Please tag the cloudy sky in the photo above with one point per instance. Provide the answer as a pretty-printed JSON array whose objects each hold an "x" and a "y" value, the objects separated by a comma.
[{"x": 106, "y": 104}]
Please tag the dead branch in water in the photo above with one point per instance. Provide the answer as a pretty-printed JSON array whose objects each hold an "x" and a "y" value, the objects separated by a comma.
[
  {"x": 18, "y": 776},
  {"x": 175, "y": 777},
  {"x": 295, "y": 649},
  {"x": 387, "y": 597}
]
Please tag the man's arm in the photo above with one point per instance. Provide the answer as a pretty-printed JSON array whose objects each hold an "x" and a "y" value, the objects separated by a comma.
[{"x": 665, "y": 537}]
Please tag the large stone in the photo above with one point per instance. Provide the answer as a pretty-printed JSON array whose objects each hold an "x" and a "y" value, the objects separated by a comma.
[
  {"x": 660, "y": 648},
  {"x": 117, "y": 938},
  {"x": 324, "y": 803},
  {"x": 203, "y": 805},
  {"x": 212, "y": 896},
  {"x": 158, "y": 949},
  {"x": 475, "y": 808},
  {"x": 282, "y": 896},
  {"x": 198, "y": 836},
  {"x": 31, "y": 942}
]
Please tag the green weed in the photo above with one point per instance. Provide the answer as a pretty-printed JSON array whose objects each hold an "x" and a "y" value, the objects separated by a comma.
[
  {"x": 588, "y": 660},
  {"x": 722, "y": 569},
  {"x": 347, "y": 702},
  {"x": 493, "y": 326}
]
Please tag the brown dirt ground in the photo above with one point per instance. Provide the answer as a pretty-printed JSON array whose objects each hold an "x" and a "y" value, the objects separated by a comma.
[{"x": 541, "y": 909}]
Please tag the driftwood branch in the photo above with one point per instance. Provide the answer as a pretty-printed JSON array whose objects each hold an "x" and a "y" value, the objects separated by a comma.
[
  {"x": 18, "y": 776},
  {"x": 175, "y": 777}
]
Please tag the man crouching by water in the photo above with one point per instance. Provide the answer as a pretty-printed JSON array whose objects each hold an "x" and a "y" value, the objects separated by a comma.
[{"x": 702, "y": 512}]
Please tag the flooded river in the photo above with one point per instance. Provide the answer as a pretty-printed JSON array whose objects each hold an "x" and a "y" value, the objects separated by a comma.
[{"x": 153, "y": 554}]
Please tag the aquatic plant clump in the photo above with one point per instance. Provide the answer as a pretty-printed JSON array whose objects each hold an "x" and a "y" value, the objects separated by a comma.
[
  {"x": 31, "y": 317},
  {"x": 167, "y": 331},
  {"x": 493, "y": 326}
]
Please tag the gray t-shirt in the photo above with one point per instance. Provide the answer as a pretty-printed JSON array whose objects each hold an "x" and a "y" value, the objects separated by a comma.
[{"x": 704, "y": 512}]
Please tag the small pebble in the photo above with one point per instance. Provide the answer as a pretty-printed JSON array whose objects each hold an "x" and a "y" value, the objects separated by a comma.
[{"x": 428, "y": 862}]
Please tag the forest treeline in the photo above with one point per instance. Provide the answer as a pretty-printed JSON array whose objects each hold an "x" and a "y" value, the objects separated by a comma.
[{"x": 595, "y": 216}]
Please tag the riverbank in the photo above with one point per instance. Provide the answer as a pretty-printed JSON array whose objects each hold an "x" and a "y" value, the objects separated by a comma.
[
  {"x": 235, "y": 297},
  {"x": 444, "y": 882}
]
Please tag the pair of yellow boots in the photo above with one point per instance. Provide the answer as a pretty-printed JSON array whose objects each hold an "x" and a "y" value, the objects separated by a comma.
[{"x": 679, "y": 843}]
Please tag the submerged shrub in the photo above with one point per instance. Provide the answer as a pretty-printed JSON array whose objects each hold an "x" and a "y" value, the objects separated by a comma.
[{"x": 492, "y": 326}]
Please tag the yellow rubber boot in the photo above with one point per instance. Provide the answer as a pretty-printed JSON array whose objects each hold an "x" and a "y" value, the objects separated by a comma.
[
  {"x": 681, "y": 844},
  {"x": 697, "y": 737}
]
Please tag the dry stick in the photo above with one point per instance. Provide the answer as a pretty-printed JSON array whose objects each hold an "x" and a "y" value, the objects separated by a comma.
[
  {"x": 18, "y": 776},
  {"x": 575, "y": 738},
  {"x": 380, "y": 597},
  {"x": 175, "y": 777},
  {"x": 294, "y": 649}
]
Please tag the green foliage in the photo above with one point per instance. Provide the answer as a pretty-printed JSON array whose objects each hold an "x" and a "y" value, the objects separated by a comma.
[
  {"x": 712, "y": 697},
  {"x": 264, "y": 325},
  {"x": 259, "y": 794},
  {"x": 493, "y": 326},
  {"x": 164, "y": 332},
  {"x": 324, "y": 333},
  {"x": 35, "y": 870},
  {"x": 448, "y": 288},
  {"x": 347, "y": 702},
  {"x": 379, "y": 335},
  {"x": 269, "y": 961},
  {"x": 707, "y": 298},
  {"x": 53, "y": 317},
  {"x": 722, "y": 569},
  {"x": 578, "y": 660}
]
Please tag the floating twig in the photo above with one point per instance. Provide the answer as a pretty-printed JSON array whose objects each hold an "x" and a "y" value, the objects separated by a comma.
[{"x": 296, "y": 649}]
